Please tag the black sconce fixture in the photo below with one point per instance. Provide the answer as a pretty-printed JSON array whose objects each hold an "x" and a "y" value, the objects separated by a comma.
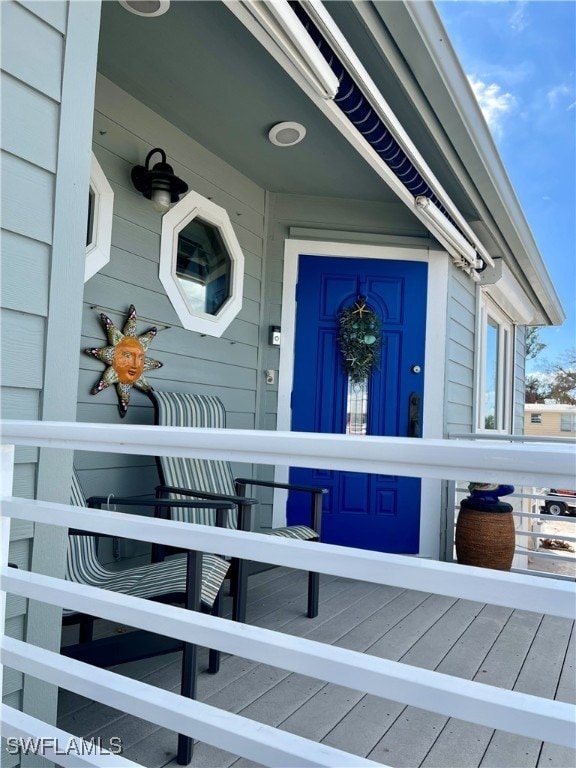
[{"x": 159, "y": 184}]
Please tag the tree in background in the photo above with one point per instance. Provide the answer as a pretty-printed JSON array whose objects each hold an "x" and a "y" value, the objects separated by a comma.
[
  {"x": 535, "y": 391},
  {"x": 562, "y": 386},
  {"x": 533, "y": 343},
  {"x": 558, "y": 382}
]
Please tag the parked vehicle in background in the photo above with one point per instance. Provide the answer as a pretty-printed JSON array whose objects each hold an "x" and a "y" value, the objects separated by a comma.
[{"x": 565, "y": 504}]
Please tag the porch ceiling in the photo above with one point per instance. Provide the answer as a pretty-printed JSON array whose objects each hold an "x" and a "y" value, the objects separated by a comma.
[{"x": 199, "y": 68}]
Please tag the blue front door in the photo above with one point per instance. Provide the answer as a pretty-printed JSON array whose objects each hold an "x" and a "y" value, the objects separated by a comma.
[{"x": 378, "y": 512}]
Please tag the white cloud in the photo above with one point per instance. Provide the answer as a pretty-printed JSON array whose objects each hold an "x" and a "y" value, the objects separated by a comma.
[
  {"x": 556, "y": 96},
  {"x": 494, "y": 103},
  {"x": 518, "y": 18}
]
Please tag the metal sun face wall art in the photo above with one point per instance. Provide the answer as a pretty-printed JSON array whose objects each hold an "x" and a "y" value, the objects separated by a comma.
[{"x": 126, "y": 359}]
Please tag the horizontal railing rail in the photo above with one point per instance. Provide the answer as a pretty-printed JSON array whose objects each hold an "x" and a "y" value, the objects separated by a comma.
[
  {"x": 541, "y": 560},
  {"x": 497, "y": 708},
  {"x": 461, "y": 582},
  {"x": 499, "y": 437},
  {"x": 426, "y": 457},
  {"x": 532, "y": 716}
]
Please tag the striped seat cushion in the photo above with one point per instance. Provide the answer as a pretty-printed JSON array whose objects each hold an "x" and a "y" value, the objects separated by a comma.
[
  {"x": 295, "y": 532},
  {"x": 146, "y": 581},
  {"x": 204, "y": 411},
  {"x": 179, "y": 409}
]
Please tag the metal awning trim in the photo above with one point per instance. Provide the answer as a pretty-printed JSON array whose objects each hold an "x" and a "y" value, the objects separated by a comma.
[
  {"x": 405, "y": 159},
  {"x": 280, "y": 31}
]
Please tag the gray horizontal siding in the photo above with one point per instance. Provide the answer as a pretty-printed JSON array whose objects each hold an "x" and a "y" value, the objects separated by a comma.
[
  {"x": 28, "y": 201},
  {"x": 460, "y": 341},
  {"x": 19, "y": 403},
  {"x": 54, "y": 14},
  {"x": 117, "y": 167},
  {"x": 22, "y": 338},
  {"x": 189, "y": 156},
  {"x": 24, "y": 482},
  {"x": 32, "y": 49},
  {"x": 519, "y": 372},
  {"x": 46, "y": 60},
  {"x": 12, "y": 683},
  {"x": 29, "y": 123},
  {"x": 30, "y": 89},
  {"x": 15, "y": 626},
  {"x": 20, "y": 530},
  {"x": 124, "y": 132},
  {"x": 22, "y": 257}
]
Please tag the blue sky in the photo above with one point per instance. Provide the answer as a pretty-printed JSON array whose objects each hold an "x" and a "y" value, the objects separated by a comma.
[{"x": 520, "y": 59}]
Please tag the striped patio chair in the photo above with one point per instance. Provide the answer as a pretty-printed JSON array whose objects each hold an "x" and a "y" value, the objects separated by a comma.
[
  {"x": 163, "y": 582},
  {"x": 181, "y": 478}
]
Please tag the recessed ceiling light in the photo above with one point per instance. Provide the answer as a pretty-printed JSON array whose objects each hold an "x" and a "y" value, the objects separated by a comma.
[
  {"x": 286, "y": 134},
  {"x": 146, "y": 7}
]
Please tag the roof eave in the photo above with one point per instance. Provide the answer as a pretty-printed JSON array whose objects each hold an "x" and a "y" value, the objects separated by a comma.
[{"x": 478, "y": 149}]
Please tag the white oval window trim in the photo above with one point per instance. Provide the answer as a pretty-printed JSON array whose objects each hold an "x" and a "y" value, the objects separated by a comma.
[
  {"x": 98, "y": 249},
  {"x": 173, "y": 222}
]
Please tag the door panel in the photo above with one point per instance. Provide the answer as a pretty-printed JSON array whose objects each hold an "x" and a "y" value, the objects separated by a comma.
[{"x": 378, "y": 512}]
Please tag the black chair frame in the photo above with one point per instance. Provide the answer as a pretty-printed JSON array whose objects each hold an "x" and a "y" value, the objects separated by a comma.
[
  {"x": 141, "y": 644},
  {"x": 244, "y": 504}
]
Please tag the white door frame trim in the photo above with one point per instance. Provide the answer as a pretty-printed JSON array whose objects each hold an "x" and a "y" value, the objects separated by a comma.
[{"x": 434, "y": 362}]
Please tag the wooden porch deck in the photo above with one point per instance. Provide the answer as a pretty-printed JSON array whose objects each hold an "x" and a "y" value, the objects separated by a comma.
[{"x": 512, "y": 649}]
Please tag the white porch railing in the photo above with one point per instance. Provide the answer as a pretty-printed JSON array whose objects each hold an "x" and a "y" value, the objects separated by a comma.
[
  {"x": 518, "y": 713},
  {"x": 529, "y": 514}
]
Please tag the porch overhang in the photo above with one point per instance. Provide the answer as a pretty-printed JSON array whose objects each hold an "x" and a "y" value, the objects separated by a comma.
[
  {"x": 502, "y": 230},
  {"x": 359, "y": 110},
  {"x": 435, "y": 67},
  {"x": 388, "y": 48}
]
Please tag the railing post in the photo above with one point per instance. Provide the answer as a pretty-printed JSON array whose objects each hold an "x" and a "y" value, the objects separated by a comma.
[
  {"x": 449, "y": 520},
  {"x": 6, "y": 481}
]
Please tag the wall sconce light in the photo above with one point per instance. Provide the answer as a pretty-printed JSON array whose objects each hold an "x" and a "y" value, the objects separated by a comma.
[{"x": 159, "y": 184}]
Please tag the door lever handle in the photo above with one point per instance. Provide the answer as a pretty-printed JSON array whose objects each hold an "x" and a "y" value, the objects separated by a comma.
[{"x": 414, "y": 415}]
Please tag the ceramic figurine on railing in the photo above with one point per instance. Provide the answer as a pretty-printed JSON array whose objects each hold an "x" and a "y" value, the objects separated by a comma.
[{"x": 488, "y": 491}]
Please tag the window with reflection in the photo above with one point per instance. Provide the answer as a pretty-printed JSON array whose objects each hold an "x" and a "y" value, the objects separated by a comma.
[
  {"x": 495, "y": 364},
  {"x": 201, "y": 264},
  {"x": 99, "y": 220},
  {"x": 491, "y": 375},
  {"x": 90, "y": 234},
  {"x": 203, "y": 267},
  {"x": 357, "y": 407}
]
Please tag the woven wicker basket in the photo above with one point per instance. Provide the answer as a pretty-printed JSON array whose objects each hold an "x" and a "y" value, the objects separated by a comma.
[{"x": 485, "y": 535}]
